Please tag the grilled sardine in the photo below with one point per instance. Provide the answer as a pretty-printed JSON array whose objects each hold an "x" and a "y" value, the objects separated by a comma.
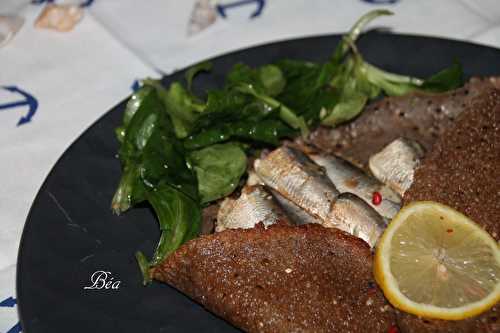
[
  {"x": 295, "y": 177},
  {"x": 395, "y": 164},
  {"x": 255, "y": 205},
  {"x": 348, "y": 178}
]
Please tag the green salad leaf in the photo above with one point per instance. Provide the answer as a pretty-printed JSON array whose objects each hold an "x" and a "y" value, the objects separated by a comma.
[
  {"x": 447, "y": 79},
  {"x": 268, "y": 79},
  {"x": 219, "y": 168},
  {"x": 130, "y": 109},
  {"x": 155, "y": 169},
  {"x": 263, "y": 83},
  {"x": 179, "y": 104},
  {"x": 139, "y": 120},
  {"x": 286, "y": 114},
  {"x": 194, "y": 70},
  {"x": 231, "y": 115},
  {"x": 354, "y": 33},
  {"x": 179, "y": 152},
  {"x": 355, "y": 81},
  {"x": 268, "y": 131},
  {"x": 179, "y": 217},
  {"x": 307, "y": 90},
  {"x": 272, "y": 79}
]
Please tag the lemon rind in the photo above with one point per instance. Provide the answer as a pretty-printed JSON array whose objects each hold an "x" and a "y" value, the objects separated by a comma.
[{"x": 389, "y": 284}]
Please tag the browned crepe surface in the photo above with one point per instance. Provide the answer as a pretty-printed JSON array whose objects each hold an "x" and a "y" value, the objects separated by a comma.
[
  {"x": 424, "y": 118},
  {"x": 463, "y": 171},
  {"x": 283, "y": 279},
  {"x": 463, "y": 168},
  {"x": 417, "y": 116}
]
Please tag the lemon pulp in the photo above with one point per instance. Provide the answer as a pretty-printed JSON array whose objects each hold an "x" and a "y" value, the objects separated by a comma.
[{"x": 433, "y": 261}]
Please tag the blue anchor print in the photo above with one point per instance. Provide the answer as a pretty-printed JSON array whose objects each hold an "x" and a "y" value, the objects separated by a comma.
[
  {"x": 135, "y": 86},
  {"x": 86, "y": 3},
  {"x": 381, "y": 2},
  {"x": 11, "y": 302},
  {"x": 221, "y": 9},
  {"x": 8, "y": 302},
  {"x": 28, "y": 100},
  {"x": 15, "y": 329}
]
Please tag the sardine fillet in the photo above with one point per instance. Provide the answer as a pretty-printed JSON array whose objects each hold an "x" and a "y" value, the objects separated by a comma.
[
  {"x": 255, "y": 205},
  {"x": 291, "y": 173},
  {"x": 282, "y": 279}
]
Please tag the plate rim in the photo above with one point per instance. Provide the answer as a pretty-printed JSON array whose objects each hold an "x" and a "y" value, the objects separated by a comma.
[{"x": 165, "y": 76}]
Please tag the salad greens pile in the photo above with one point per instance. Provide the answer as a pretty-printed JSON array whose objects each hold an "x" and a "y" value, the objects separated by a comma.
[{"x": 179, "y": 151}]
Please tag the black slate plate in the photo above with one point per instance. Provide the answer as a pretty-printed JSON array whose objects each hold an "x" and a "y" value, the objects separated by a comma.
[{"x": 71, "y": 233}]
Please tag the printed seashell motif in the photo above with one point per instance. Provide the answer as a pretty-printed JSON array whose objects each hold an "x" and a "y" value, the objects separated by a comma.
[
  {"x": 59, "y": 17},
  {"x": 9, "y": 26},
  {"x": 202, "y": 16}
]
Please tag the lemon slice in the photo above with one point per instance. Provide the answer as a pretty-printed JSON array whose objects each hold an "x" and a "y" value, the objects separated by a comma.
[{"x": 434, "y": 262}]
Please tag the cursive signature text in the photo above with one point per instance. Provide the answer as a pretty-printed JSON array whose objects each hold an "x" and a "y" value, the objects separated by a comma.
[{"x": 103, "y": 280}]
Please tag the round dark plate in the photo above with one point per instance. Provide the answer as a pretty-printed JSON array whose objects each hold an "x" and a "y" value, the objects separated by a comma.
[{"x": 71, "y": 233}]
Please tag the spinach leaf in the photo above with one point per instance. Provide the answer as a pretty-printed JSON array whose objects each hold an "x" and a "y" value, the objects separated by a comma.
[
  {"x": 181, "y": 106},
  {"x": 307, "y": 90},
  {"x": 286, "y": 114},
  {"x": 179, "y": 217},
  {"x": 398, "y": 85},
  {"x": 222, "y": 106},
  {"x": 194, "y": 70},
  {"x": 355, "y": 31},
  {"x": 164, "y": 161},
  {"x": 151, "y": 153},
  {"x": 136, "y": 131},
  {"x": 333, "y": 92},
  {"x": 241, "y": 73},
  {"x": 268, "y": 79},
  {"x": 268, "y": 131},
  {"x": 447, "y": 79},
  {"x": 272, "y": 79},
  {"x": 352, "y": 90},
  {"x": 356, "y": 81},
  {"x": 263, "y": 84},
  {"x": 233, "y": 115},
  {"x": 144, "y": 266},
  {"x": 155, "y": 169},
  {"x": 218, "y": 168},
  {"x": 130, "y": 109}
]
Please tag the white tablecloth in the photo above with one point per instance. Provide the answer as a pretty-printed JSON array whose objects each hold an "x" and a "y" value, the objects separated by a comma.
[{"x": 62, "y": 82}]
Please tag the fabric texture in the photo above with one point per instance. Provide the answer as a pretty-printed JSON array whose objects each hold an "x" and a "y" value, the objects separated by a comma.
[{"x": 53, "y": 85}]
